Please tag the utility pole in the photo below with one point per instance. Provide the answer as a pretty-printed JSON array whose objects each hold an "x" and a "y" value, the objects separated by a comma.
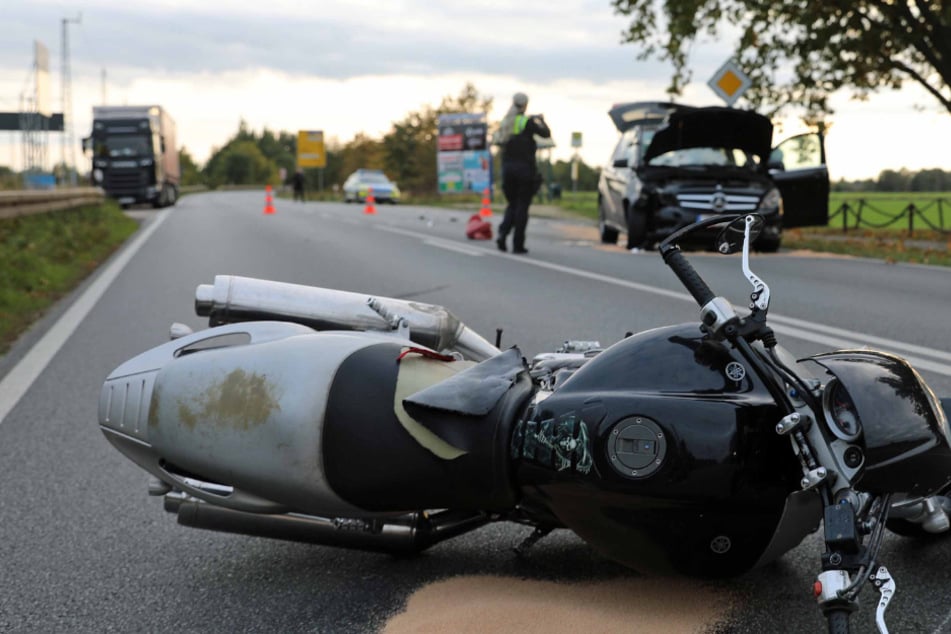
[{"x": 68, "y": 141}]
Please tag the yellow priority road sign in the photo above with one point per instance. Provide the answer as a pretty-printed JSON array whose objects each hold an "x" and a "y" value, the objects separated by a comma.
[
  {"x": 310, "y": 149},
  {"x": 729, "y": 82}
]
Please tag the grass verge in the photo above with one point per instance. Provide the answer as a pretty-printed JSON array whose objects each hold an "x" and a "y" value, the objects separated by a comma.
[
  {"x": 922, "y": 247},
  {"x": 44, "y": 256}
]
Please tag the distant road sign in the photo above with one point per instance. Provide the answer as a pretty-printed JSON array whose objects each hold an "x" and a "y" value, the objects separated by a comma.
[
  {"x": 310, "y": 149},
  {"x": 575, "y": 139},
  {"x": 729, "y": 82}
]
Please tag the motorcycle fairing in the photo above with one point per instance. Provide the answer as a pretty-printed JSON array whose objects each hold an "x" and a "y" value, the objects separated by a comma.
[
  {"x": 416, "y": 373},
  {"x": 293, "y": 419},
  {"x": 905, "y": 435},
  {"x": 476, "y": 390},
  {"x": 247, "y": 417},
  {"x": 373, "y": 463}
]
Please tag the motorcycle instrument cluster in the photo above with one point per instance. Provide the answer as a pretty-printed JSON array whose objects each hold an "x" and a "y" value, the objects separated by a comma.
[{"x": 841, "y": 415}]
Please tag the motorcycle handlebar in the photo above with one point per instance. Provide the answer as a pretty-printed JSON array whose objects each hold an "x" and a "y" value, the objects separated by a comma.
[{"x": 677, "y": 261}]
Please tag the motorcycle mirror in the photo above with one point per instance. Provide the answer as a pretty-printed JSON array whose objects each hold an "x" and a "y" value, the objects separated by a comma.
[{"x": 730, "y": 239}]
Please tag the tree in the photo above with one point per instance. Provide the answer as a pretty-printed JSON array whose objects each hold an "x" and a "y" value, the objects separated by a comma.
[
  {"x": 249, "y": 159},
  {"x": 190, "y": 172},
  {"x": 826, "y": 44},
  {"x": 281, "y": 149},
  {"x": 9, "y": 179},
  {"x": 894, "y": 181},
  {"x": 587, "y": 176},
  {"x": 240, "y": 163},
  {"x": 410, "y": 146},
  {"x": 361, "y": 152}
]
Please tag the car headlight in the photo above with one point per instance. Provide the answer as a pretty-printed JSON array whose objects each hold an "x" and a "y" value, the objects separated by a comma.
[
  {"x": 771, "y": 203},
  {"x": 97, "y": 175}
]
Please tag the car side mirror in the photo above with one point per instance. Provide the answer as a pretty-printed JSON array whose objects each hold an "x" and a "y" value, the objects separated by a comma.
[
  {"x": 621, "y": 163},
  {"x": 776, "y": 166}
]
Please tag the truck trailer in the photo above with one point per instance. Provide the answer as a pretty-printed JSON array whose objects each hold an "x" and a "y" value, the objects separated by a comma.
[{"x": 134, "y": 154}]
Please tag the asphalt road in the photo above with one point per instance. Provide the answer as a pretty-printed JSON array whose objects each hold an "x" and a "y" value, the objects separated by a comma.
[{"x": 83, "y": 549}]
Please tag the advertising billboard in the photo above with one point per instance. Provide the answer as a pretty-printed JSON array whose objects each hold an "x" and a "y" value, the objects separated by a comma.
[{"x": 463, "y": 159}]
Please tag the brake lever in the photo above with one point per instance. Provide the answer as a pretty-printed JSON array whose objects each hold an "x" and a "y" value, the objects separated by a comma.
[
  {"x": 759, "y": 298},
  {"x": 885, "y": 584}
]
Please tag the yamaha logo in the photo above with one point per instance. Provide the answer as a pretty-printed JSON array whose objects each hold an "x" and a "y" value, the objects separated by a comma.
[
  {"x": 735, "y": 371},
  {"x": 721, "y": 544},
  {"x": 718, "y": 202}
]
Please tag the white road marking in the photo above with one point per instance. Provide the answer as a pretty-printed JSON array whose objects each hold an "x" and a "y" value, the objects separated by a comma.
[
  {"x": 452, "y": 246},
  {"x": 15, "y": 384}
]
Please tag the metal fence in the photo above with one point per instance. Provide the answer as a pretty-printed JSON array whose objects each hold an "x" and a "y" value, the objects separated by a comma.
[
  {"x": 866, "y": 214},
  {"x": 27, "y": 202}
]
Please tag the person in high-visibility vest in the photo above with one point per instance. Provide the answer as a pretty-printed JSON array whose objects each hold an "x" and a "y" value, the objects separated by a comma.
[{"x": 520, "y": 177}]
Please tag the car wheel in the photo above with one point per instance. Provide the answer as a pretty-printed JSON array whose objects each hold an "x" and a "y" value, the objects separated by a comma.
[
  {"x": 767, "y": 245},
  {"x": 608, "y": 234},
  {"x": 636, "y": 229}
]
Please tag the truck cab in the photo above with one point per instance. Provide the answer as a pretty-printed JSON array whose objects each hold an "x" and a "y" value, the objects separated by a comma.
[{"x": 134, "y": 155}]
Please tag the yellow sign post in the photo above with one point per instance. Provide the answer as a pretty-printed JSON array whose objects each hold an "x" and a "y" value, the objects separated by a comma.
[
  {"x": 729, "y": 82},
  {"x": 310, "y": 149}
]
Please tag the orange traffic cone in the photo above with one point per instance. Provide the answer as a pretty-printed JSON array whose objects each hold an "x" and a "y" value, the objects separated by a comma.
[
  {"x": 268, "y": 201},
  {"x": 486, "y": 210},
  {"x": 371, "y": 203}
]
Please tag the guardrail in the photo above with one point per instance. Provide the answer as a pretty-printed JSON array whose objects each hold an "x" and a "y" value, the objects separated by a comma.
[
  {"x": 930, "y": 215},
  {"x": 27, "y": 202}
]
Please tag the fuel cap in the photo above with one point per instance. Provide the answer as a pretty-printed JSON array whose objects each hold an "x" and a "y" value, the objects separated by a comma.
[{"x": 636, "y": 447}]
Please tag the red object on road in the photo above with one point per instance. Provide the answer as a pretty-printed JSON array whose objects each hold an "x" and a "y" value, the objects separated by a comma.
[{"x": 478, "y": 228}]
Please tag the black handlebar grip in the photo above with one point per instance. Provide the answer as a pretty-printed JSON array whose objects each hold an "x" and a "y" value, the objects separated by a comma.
[
  {"x": 838, "y": 621},
  {"x": 684, "y": 270}
]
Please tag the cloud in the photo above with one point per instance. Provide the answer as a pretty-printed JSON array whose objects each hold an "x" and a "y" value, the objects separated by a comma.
[{"x": 533, "y": 42}]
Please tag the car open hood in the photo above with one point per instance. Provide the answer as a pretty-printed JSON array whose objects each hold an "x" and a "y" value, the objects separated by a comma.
[
  {"x": 627, "y": 115},
  {"x": 714, "y": 126}
]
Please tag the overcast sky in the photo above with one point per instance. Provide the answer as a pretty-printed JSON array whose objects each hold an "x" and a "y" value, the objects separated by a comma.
[{"x": 345, "y": 67}]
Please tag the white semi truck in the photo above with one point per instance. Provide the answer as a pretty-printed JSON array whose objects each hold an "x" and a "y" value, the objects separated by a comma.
[{"x": 134, "y": 154}]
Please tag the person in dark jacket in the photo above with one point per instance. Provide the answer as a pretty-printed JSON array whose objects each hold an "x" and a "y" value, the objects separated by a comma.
[
  {"x": 520, "y": 177},
  {"x": 298, "y": 182}
]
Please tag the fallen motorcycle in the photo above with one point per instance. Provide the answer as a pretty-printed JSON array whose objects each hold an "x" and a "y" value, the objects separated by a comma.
[{"x": 375, "y": 423}]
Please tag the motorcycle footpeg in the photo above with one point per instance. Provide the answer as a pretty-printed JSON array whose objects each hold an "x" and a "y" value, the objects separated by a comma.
[{"x": 526, "y": 544}]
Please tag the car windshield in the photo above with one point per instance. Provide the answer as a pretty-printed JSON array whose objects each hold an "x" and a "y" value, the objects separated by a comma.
[
  {"x": 373, "y": 177},
  {"x": 699, "y": 156}
]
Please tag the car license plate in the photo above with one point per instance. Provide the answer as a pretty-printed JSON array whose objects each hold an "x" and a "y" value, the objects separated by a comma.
[{"x": 126, "y": 199}]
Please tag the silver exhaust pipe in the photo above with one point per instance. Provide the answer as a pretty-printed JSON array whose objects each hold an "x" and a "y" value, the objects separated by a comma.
[
  {"x": 234, "y": 299},
  {"x": 402, "y": 534}
]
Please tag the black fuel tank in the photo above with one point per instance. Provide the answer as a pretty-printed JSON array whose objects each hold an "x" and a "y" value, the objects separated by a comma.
[{"x": 663, "y": 443}]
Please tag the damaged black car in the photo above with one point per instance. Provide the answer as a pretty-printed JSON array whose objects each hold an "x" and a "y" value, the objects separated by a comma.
[{"x": 675, "y": 165}]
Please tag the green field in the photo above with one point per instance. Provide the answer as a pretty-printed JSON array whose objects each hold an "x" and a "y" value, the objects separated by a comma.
[{"x": 887, "y": 210}]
